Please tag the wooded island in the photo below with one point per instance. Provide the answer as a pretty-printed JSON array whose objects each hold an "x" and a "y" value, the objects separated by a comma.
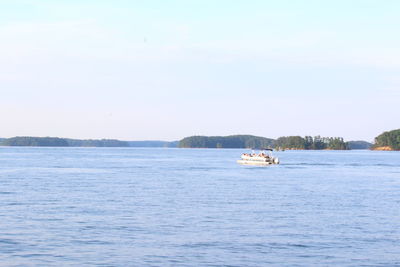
[
  {"x": 257, "y": 142},
  {"x": 388, "y": 141}
]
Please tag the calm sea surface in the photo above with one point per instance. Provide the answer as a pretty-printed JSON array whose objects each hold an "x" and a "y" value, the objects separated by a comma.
[{"x": 197, "y": 207}]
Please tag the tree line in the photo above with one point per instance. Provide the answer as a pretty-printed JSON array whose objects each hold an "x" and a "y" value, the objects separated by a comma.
[
  {"x": 249, "y": 141},
  {"x": 232, "y": 141},
  {"x": 389, "y": 139},
  {"x": 61, "y": 142},
  {"x": 311, "y": 143},
  {"x": 68, "y": 142}
]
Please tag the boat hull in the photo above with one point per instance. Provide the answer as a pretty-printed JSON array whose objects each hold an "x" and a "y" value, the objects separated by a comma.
[{"x": 254, "y": 162}]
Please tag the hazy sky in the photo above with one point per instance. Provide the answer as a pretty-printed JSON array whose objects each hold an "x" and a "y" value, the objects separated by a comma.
[{"x": 140, "y": 70}]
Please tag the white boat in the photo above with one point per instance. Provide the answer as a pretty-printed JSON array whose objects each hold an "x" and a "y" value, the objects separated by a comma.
[{"x": 261, "y": 158}]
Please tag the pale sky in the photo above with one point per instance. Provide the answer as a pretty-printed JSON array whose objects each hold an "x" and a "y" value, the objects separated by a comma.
[{"x": 163, "y": 70}]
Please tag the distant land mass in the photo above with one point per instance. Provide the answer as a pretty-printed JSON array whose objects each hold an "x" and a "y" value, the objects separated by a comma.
[
  {"x": 35, "y": 141},
  {"x": 232, "y": 141},
  {"x": 311, "y": 143},
  {"x": 67, "y": 142},
  {"x": 61, "y": 142},
  {"x": 388, "y": 141},
  {"x": 359, "y": 145},
  {"x": 153, "y": 143},
  {"x": 250, "y": 141}
]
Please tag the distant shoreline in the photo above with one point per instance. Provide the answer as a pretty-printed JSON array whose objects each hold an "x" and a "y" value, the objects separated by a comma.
[
  {"x": 387, "y": 141},
  {"x": 384, "y": 149},
  {"x": 30, "y": 141}
]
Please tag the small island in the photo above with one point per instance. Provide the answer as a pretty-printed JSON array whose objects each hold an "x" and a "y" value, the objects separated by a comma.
[
  {"x": 311, "y": 143},
  {"x": 232, "y": 141},
  {"x": 388, "y": 141},
  {"x": 257, "y": 142}
]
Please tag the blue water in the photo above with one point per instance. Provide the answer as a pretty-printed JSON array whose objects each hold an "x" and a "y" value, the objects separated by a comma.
[{"x": 197, "y": 207}]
